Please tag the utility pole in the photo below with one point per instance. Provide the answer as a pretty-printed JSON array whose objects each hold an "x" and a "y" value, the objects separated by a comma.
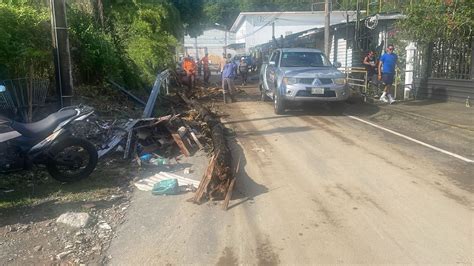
[
  {"x": 327, "y": 15},
  {"x": 196, "y": 46},
  {"x": 357, "y": 27},
  {"x": 61, "y": 53},
  {"x": 273, "y": 30}
]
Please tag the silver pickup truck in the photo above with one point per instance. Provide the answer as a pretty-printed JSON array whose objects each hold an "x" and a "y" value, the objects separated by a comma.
[{"x": 301, "y": 75}]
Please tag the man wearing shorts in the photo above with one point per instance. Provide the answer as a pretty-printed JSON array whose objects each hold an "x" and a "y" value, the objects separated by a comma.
[
  {"x": 387, "y": 64},
  {"x": 229, "y": 72}
]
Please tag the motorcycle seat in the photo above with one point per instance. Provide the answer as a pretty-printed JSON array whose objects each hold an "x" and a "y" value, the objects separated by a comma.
[{"x": 43, "y": 127}]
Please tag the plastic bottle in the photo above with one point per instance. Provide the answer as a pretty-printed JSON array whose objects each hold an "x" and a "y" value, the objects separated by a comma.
[
  {"x": 159, "y": 161},
  {"x": 146, "y": 157},
  {"x": 468, "y": 102}
]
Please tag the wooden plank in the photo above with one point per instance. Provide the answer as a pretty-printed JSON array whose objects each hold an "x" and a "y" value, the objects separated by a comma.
[
  {"x": 180, "y": 144},
  {"x": 197, "y": 140},
  {"x": 212, "y": 166},
  {"x": 228, "y": 195},
  {"x": 230, "y": 189},
  {"x": 205, "y": 180}
]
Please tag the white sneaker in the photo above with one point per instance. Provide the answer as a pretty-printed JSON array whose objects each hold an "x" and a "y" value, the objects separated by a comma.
[
  {"x": 384, "y": 99},
  {"x": 390, "y": 99}
]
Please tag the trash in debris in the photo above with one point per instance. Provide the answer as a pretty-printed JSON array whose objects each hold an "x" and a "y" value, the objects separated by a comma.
[
  {"x": 182, "y": 131},
  {"x": 188, "y": 188},
  {"x": 146, "y": 157},
  {"x": 180, "y": 143},
  {"x": 147, "y": 184},
  {"x": 166, "y": 187},
  {"x": 188, "y": 170},
  {"x": 159, "y": 161}
]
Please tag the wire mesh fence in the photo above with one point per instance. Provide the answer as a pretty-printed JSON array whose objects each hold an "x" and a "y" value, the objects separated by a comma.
[{"x": 22, "y": 96}]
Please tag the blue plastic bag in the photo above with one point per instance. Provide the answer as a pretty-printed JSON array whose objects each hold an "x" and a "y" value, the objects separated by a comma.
[{"x": 166, "y": 187}]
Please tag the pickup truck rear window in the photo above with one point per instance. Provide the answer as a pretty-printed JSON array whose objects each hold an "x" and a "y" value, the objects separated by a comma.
[{"x": 304, "y": 59}]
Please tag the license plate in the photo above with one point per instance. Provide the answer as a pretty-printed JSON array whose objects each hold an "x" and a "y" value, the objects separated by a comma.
[{"x": 317, "y": 90}]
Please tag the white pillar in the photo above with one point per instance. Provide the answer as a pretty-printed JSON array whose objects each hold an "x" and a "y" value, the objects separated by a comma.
[{"x": 410, "y": 58}]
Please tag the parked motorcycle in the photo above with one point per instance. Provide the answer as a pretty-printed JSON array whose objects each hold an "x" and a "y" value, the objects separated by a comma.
[{"x": 49, "y": 142}]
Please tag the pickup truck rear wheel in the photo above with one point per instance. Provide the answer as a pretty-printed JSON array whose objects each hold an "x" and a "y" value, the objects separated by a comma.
[{"x": 278, "y": 103}]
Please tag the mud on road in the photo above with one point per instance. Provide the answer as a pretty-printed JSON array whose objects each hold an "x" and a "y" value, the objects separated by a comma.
[{"x": 313, "y": 187}]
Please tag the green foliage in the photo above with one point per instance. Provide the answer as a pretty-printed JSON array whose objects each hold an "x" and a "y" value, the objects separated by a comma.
[
  {"x": 428, "y": 20},
  {"x": 145, "y": 38},
  {"x": 129, "y": 41},
  {"x": 191, "y": 14},
  {"x": 223, "y": 12},
  {"x": 93, "y": 52},
  {"x": 25, "y": 41},
  {"x": 150, "y": 48}
]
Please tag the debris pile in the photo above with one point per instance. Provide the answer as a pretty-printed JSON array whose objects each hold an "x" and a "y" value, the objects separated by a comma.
[
  {"x": 157, "y": 141},
  {"x": 218, "y": 180}
]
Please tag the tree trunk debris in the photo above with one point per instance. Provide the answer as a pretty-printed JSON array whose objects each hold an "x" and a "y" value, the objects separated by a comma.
[{"x": 219, "y": 179}]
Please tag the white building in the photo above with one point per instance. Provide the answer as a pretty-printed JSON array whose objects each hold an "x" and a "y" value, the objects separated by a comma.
[
  {"x": 254, "y": 28},
  {"x": 211, "y": 41}
]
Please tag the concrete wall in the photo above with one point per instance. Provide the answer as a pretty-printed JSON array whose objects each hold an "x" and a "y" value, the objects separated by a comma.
[{"x": 446, "y": 89}]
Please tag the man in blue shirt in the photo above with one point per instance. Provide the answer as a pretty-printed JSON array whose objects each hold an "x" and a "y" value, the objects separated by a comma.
[
  {"x": 229, "y": 72},
  {"x": 387, "y": 64}
]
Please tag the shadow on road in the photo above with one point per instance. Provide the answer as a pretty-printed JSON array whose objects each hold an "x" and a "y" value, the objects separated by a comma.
[
  {"x": 326, "y": 109},
  {"x": 423, "y": 102},
  {"x": 246, "y": 189},
  {"x": 256, "y": 119},
  {"x": 278, "y": 130}
]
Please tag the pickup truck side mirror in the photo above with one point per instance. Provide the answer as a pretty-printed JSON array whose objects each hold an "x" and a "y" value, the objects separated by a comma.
[
  {"x": 337, "y": 64},
  {"x": 2, "y": 88},
  {"x": 272, "y": 63}
]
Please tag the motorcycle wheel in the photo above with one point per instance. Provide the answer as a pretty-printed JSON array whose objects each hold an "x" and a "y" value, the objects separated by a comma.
[{"x": 72, "y": 159}]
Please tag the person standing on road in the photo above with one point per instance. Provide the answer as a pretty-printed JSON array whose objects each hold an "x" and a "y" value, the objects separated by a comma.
[
  {"x": 199, "y": 66},
  {"x": 243, "y": 70},
  {"x": 387, "y": 64},
  {"x": 254, "y": 64},
  {"x": 222, "y": 63},
  {"x": 205, "y": 67},
  {"x": 189, "y": 66},
  {"x": 369, "y": 63},
  {"x": 228, "y": 75}
]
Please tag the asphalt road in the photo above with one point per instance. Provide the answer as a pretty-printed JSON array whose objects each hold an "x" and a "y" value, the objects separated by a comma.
[{"x": 317, "y": 187}]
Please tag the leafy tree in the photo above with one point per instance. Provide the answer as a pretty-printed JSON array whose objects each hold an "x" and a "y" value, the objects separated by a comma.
[
  {"x": 428, "y": 20},
  {"x": 93, "y": 52},
  {"x": 223, "y": 12},
  {"x": 25, "y": 42},
  {"x": 191, "y": 14}
]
